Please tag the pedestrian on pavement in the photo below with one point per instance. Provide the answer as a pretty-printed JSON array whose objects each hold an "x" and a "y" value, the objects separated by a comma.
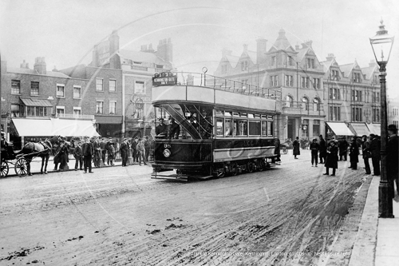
[
  {"x": 277, "y": 150},
  {"x": 296, "y": 144},
  {"x": 124, "y": 151},
  {"x": 103, "y": 149},
  {"x": 314, "y": 147},
  {"x": 375, "y": 148},
  {"x": 141, "y": 151},
  {"x": 147, "y": 146},
  {"x": 343, "y": 149},
  {"x": 111, "y": 153},
  {"x": 88, "y": 151},
  {"x": 393, "y": 159},
  {"x": 366, "y": 153},
  {"x": 134, "y": 149},
  {"x": 97, "y": 152},
  {"x": 354, "y": 153},
  {"x": 78, "y": 154},
  {"x": 323, "y": 149},
  {"x": 332, "y": 158}
]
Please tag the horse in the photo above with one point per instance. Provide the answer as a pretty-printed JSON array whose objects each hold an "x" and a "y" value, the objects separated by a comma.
[{"x": 42, "y": 149}]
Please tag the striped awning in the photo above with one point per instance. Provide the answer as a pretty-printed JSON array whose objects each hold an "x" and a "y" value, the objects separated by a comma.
[
  {"x": 339, "y": 129},
  {"x": 36, "y": 102},
  {"x": 360, "y": 129}
]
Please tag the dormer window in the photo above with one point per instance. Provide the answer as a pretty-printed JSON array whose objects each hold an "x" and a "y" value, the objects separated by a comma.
[
  {"x": 244, "y": 65},
  {"x": 334, "y": 75},
  {"x": 356, "y": 77},
  {"x": 273, "y": 61},
  {"x": 310, "y": 62}
]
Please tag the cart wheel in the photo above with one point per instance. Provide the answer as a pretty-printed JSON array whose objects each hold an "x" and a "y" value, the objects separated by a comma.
[
  {"x": 4, "y": 168},
  {"x": 20, "y": 167}
]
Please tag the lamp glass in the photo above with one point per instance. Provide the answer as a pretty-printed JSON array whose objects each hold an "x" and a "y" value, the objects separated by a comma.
[{"x": 382, "y": 45}]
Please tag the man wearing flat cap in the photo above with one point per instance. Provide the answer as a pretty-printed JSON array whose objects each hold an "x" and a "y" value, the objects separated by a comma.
[
  {"x": 393, "y": 159},
  {"x": 161, "y": 129}
]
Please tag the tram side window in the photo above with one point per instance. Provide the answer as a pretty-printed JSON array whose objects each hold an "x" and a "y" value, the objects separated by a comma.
[
  {"x": 228, "y": 128},
  {"x": 254, "y": 128},
  {"x": 219, "y": 126},
  {"x": 264, "y": 128},
  {"x": 241, "y": 127},
  {"x": 270, "y": 128}
]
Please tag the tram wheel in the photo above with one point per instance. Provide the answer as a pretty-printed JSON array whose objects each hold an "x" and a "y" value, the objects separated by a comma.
[
  {"x": 21, "y": 168},
  {"x": 219, "y": 172},
  {"x": 4, "y": 168},
  {"x": 250, "y": 167},
  {"x": 260, "y": 165},
  {"x": 234, "y": 169}
]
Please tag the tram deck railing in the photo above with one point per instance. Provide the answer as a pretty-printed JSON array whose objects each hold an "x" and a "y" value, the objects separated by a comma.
[{"x": 220, "y": 83}]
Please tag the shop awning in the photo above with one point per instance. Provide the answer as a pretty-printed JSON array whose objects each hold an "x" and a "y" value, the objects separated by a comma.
[
  {"x": 374, "y": 129},
  {"x": 54, "y": 127},
  {"x": 339, "y": 129},
  {"x": 33, "y": 127},
  {"x": 360, "y": 129},
  {"x": 114, "y": 119},
  {"x": 36, "y": 102}
]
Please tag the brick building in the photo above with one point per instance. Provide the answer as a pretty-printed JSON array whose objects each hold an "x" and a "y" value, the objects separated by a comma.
[
  {"x": 119, "y": 85},
  {"x": 316, "y": 97},
  {"x": 39, "y": 94}
]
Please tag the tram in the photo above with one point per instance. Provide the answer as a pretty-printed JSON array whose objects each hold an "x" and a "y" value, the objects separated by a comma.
[{"x": 216, "y": 127}]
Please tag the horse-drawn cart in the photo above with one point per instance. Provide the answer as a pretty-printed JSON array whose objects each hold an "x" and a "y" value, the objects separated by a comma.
[{"x": 9, "y": 157}]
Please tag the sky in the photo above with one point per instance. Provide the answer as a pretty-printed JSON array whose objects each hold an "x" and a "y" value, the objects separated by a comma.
[{"x": 64, "y": 32}]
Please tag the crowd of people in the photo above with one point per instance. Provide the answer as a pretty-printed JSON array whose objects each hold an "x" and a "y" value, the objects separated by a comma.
[
  {"x": 98, "y": 152},
  {"x": 329, "y": 153}
]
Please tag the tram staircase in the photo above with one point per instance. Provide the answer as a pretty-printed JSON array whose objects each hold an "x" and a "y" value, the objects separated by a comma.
[{"x": 182, "y": 121}]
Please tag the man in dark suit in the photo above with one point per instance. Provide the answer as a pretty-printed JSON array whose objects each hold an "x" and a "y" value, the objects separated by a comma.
[
  {"x": 393, "y": 159},
  {"x": 375, "y": 148},
  {"x": 88, "y": 151}
]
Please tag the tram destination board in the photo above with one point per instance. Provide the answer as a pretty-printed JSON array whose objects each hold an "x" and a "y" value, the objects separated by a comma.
[{"x": 164, "y": 79}]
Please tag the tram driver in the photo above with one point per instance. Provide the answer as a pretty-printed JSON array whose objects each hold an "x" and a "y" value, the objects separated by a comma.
[
  {"x": 162, "y": 129},
  {"x": 174, "y": 129}
]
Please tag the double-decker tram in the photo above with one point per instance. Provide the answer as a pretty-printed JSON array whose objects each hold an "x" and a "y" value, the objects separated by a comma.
[{"x": 213, "y": 128}]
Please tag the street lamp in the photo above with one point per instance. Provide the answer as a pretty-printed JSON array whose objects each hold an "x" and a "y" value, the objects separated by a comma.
[{"x": 382, "y": 46}]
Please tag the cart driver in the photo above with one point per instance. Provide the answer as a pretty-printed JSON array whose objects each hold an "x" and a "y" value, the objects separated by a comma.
[{"x": 4, "y": 143}]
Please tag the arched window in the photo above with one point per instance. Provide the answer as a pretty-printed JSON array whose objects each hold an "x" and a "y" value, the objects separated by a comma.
[
  {"x": 289, "y": 102},
  {"x": 316, "y": 104},
  {"x": 305, "y": 101}
]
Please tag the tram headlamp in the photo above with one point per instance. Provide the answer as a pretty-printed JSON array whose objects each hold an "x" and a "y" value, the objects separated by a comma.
[{"x": 166, "y": 153}]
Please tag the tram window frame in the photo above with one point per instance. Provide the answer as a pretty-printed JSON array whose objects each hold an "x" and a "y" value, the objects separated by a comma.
[
  {"x": 237, "y": 127},
  {"x": 230, "y": 124},
  {"x": 264, "y": 127},
  {"x": 254, "y": 125},
  {"x": 219, "y": 129},
  {"x": 227, "y": 113},
  {"x": 218, "y": 112},
  {"x": 251, "y": 116},
  {"x": 236, "y": 114},
  {"x": 244, "y": 115},
  {"x": 269, "y": 128}
]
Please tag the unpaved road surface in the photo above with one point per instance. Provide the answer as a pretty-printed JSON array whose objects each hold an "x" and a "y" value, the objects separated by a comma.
[{"x": 289, "y": 215}]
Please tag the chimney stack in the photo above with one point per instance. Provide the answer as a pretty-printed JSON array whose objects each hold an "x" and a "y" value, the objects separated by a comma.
[
  {"x": 330, "y": 57},
  {"x": 24, "y": 65},
  {"x": 40, "y": 66},
  {"x": 261, "y": 50}
]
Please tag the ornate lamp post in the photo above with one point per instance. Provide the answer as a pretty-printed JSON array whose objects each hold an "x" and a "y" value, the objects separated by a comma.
[{"x": 382, "y": 46}]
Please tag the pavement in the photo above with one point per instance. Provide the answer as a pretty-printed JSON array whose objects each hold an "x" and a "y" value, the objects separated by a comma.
[
  {"x": 376, "y": 243},
  {"x": 37, "y": 163}
]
